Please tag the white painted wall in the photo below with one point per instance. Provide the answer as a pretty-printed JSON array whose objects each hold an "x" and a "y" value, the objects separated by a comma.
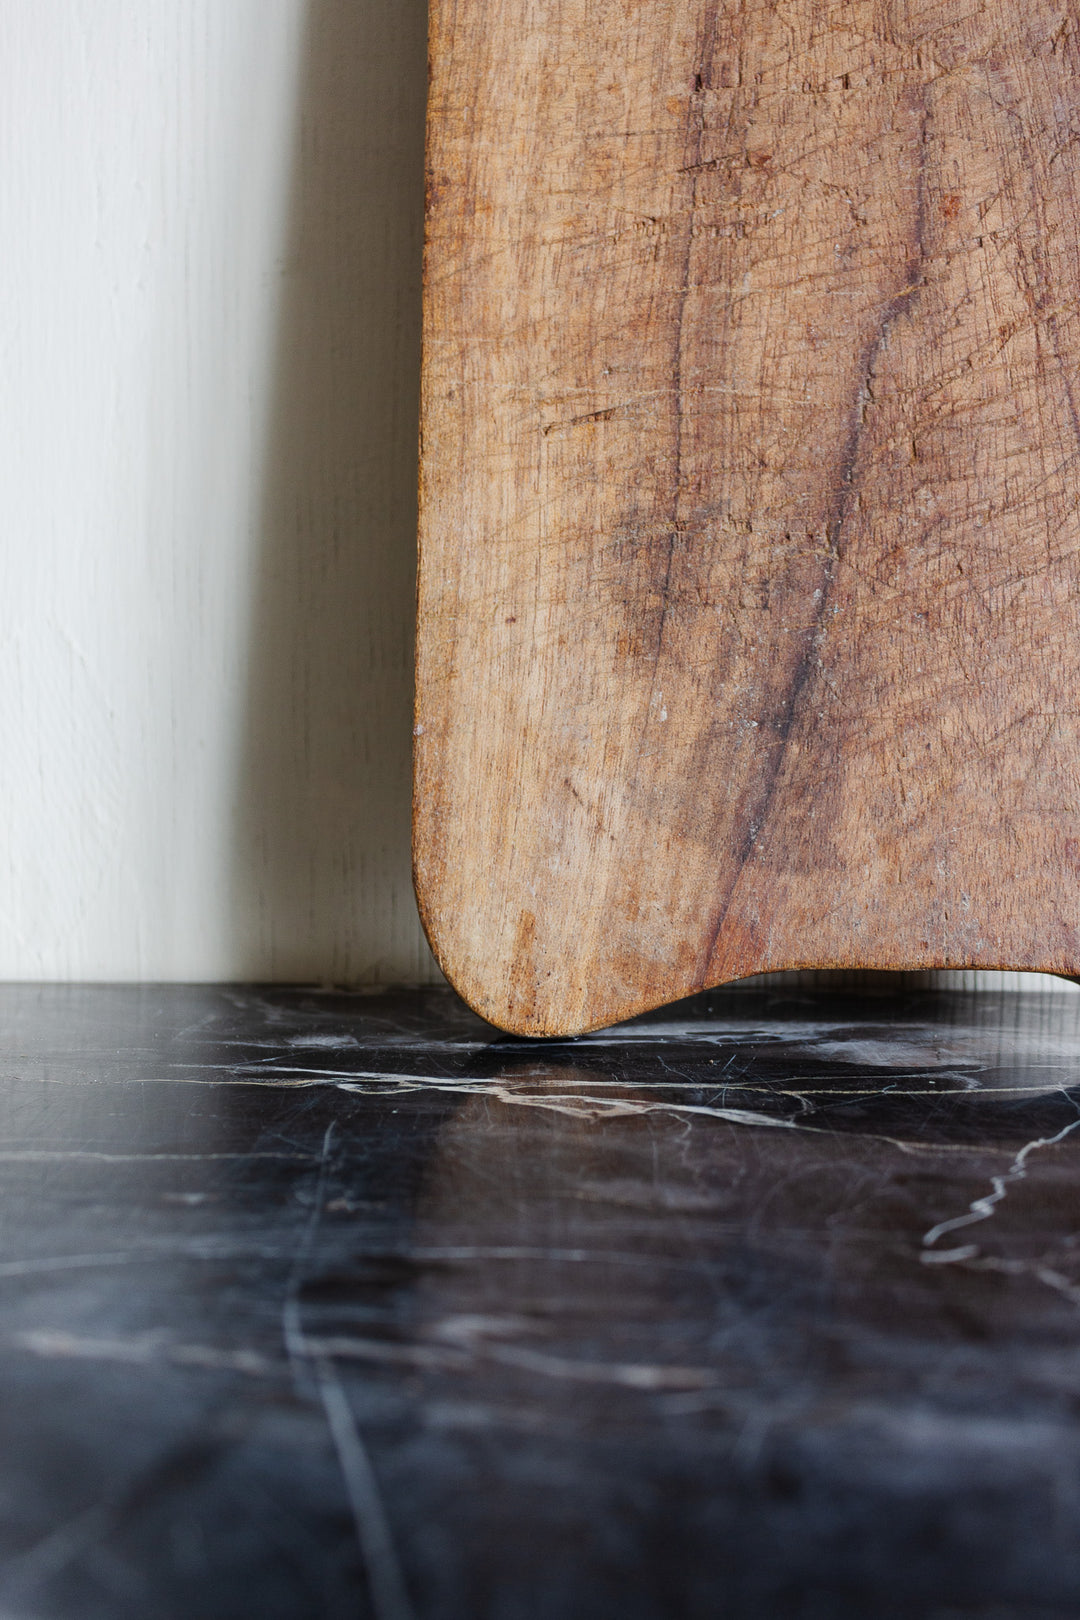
[{"x": 211, "y": 218}]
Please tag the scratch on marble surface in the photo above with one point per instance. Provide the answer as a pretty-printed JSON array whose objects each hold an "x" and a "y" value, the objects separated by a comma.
[
  {"x": 63, "y": 1155},
  {"x": 67, "y": 1262},
  {"x": 208, "y": 1253},
  {"x": 271, "y": 1074},
  {"x": 981, "y": 1209},
  {"x": 140, "y": 1349},
  {"x": 155, "y": 1347},
  {"x": 1049, "y": 1276},
  {"x": 970, "y": 1256},
  {"x": 386, "y": 1582},
  {"x": 291, "y": 1324},
  {"x": 580, "y": 1105},
  {"x": 631, "y": 1375},
  {"x": 295, "y": 1077},
  {"x": 577, "y": 1104},
  {"x": 512, "y": 1252},
  {"x": 56, "y": 1551},
  {"x": 765, "y": 1088},
  {"x": 435, "y": 1254}
]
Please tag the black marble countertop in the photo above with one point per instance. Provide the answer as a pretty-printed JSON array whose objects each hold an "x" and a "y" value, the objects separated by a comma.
[{"x": 336, "y": 1305}]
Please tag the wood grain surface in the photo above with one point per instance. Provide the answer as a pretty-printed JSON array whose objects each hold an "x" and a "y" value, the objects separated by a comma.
[{"x": 750, "y": 488}]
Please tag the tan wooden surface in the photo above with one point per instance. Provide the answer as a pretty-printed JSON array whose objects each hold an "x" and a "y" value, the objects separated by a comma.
[{"x": 750, "y": 495}]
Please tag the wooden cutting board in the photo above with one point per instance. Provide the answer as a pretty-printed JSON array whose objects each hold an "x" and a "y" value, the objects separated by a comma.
[{"x": 749, "y": 584}]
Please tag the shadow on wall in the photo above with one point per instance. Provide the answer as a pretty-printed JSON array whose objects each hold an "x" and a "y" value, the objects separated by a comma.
[{"x": 322, "y": 885}]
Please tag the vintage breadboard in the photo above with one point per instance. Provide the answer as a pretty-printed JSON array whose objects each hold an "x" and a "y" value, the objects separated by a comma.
[{"x": 750, "y": 581}]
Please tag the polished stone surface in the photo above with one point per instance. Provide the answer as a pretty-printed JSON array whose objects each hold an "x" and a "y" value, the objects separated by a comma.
[{"x": 314, "y": 1304}]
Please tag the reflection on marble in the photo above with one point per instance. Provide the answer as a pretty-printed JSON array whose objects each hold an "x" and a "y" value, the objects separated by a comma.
[{"x": 313, "y": 1304}]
